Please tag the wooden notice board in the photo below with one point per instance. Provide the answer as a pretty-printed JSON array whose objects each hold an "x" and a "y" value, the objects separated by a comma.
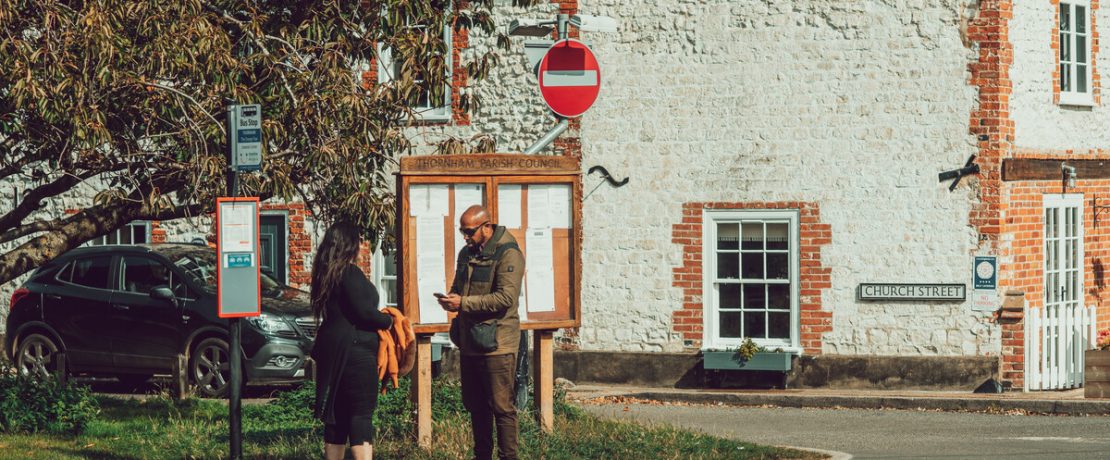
[{"x": 537, "y": 199}]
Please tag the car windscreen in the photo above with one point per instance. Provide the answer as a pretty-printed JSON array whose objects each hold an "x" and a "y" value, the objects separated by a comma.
[{"x": 201, "y": 267}]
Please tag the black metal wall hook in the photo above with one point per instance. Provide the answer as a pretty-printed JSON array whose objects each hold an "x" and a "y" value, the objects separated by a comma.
[
  {"x": 969, "y": 168},
  {"x": 605, "y": 175}
]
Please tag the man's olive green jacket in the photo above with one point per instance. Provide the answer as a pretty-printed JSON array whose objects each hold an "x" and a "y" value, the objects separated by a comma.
[{"x": 490, "y": 290}]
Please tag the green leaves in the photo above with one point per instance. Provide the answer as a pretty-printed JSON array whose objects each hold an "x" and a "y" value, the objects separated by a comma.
[
  {"x": 31, "y": 406},
  {"x": 135, "y": 93}
]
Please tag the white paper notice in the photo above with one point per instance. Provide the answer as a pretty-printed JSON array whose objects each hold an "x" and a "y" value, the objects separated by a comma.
[
  {"x": 538, "y": 202},
  {"x": 418, "y": 200},
  {"x": 559, "y": 205},
  {"x": 430, "y": 277},
  {"x": 522, "y": 302},
  {"x": 539, "y": 274},
  {"x": 437, "y": 199},
  {"x": 508, "y": 206},
  {"x": 466, "y": 195},
  {"x": 237, "y": 228}
]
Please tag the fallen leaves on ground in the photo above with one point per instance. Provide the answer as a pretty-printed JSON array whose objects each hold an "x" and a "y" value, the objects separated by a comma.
[{"x": 626, "y": 400}]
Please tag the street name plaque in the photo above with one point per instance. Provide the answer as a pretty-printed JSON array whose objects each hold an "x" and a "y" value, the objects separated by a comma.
[{"x": 911, "y": 291}]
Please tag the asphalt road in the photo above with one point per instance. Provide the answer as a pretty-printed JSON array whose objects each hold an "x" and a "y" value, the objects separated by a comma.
[{"x": 887, "y": 433}]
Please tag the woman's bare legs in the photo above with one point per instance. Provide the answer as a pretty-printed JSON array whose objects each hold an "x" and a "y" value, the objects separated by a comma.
[
  {"x": 334, "y": 451},
  {"x": 365, "y": 451}
]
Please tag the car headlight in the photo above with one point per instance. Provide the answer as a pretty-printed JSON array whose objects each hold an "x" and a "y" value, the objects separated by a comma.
[{"x": 270, "y": 324}]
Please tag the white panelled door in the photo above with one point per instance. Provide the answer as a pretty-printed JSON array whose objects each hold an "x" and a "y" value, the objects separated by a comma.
[
  {"x": 1063, "y": 246},
  {"x": 1057, "y": 335}
]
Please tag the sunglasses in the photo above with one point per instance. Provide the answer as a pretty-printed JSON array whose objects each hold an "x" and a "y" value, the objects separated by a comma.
[{"x": 471, "y": 231}]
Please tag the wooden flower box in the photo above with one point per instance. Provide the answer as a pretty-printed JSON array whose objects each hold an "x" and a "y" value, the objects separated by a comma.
[
  {"x": 1096, "y": 374},
  {"x": 762, "y": 361}
]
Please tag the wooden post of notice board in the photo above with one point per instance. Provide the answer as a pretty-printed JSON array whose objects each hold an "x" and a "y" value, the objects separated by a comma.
[
  {"x": 544, "y": 385},
  {"x": 421, "y": 390},
  {"x": 538, "y": 200}
]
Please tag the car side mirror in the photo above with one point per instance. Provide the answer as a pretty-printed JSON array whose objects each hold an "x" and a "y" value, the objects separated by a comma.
[{"x": 163, "y": 293}]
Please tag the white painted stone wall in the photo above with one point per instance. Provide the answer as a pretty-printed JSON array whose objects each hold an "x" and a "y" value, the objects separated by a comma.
[
  {"x": 12, "y": 190},
  {"x": 853, "y": 105},
  {"x": 1039, "y": 123}
]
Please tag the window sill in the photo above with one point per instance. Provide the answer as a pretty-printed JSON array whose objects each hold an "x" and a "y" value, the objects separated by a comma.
[
  {"x": 769, "y": 348},
  {"x": 432, "y": 118},
  {"x": 1076, "y": 100}
]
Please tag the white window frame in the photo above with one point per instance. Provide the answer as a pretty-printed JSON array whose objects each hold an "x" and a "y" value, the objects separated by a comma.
[
  {"x": 378, "y": 262},
  {"x": 387, "y": 72},
  {"x": 377, "y": 271},
  {"x": 711, "y": 339},
  {"x": 1068, "y": 39},
  {"x": 130, "y": 226}
]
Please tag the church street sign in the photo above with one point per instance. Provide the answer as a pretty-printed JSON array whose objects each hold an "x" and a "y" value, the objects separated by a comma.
[{"x": 908, "y": 291}]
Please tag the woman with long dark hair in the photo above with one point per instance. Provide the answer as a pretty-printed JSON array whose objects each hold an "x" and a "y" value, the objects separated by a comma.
[{"x": 346, "y": 348}]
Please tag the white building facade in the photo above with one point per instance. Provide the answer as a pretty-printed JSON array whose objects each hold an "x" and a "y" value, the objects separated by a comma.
[{"x": 781, "y": 154}]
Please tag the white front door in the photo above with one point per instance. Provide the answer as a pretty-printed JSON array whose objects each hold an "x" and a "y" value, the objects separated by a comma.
[
  {"x": 1056, "y": 335},
  {"x": 1063, "y": 250}
]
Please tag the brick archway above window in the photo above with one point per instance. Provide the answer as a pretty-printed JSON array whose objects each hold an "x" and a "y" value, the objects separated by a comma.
[{"x": 812, "y": 278}]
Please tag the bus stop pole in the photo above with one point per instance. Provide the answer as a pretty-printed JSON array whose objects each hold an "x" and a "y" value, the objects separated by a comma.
[{"x": 234, "y": 404}]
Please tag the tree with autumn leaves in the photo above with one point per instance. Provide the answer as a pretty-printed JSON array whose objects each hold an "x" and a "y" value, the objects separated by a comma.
[{"x": 129, "y": 97}]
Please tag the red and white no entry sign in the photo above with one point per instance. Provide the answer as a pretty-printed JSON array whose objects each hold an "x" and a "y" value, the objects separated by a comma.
[{"x": 569, "y": 78}]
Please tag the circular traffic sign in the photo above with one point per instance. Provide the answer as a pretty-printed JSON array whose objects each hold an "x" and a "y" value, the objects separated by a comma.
[{"x": 569, "y": 78}]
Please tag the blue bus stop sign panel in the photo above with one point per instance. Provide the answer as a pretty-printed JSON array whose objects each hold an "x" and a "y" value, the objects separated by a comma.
[{"x": 238, "y": 260}]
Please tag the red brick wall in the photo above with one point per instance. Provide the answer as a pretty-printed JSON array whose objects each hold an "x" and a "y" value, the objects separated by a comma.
[
  {"x": 1024, "y": 273},
  {"x": 990, "y": 121},
  {"x": 300, "y": 241},
  {"x": 991, "y": 124},
  {"x": 1025, "y": 225},
  {"x": 1009, "y": 217},
  {"x": 157, "y": 233},
  {"x": 813, "y": 275}
]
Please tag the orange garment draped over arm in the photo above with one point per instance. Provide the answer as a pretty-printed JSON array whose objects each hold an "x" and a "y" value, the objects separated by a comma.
[{"x": 396, "y": 353}]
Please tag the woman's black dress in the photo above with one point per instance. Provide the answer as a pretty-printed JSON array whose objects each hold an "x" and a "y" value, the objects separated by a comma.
[{"x": 346, "y": 355}]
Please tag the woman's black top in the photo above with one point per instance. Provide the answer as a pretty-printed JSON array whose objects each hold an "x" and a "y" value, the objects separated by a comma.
[{"x": 351, "y": 314}]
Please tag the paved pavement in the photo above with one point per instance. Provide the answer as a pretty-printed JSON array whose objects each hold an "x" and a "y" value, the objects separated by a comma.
[
  {"x": 861, "y": 424},
  {"x": 1069, "y": 402}
]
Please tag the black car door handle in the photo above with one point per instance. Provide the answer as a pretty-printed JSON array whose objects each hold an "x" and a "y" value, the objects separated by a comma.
[
  {"x": 54, "y": 296},
  {"x": 120, "y": 307}
]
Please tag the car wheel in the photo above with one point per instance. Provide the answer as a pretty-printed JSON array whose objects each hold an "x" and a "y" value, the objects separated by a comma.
[
  {"x": 36, "y": 357},
  {"x": 210, "y": 368}
]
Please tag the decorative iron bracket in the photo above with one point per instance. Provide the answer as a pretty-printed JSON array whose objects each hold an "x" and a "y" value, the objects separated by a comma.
[
  {"x": 969, "y": 168},
  {"x": 1097, "y": 209},
  {"x": 608, "y": 178}
]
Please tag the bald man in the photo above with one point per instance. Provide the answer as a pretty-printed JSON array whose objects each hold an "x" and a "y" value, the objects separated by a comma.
[{"x": 485, "y": 294}]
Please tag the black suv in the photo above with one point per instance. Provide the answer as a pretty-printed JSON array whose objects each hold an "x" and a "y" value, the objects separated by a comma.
[{"x": 128, "y": 311}]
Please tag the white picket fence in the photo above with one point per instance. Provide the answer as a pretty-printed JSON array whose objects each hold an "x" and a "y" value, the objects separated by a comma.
[{"x": 1055, "y": 338}]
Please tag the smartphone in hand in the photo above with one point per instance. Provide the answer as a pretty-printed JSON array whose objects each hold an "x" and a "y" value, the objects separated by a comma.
[{"x": 439, "y": 295}]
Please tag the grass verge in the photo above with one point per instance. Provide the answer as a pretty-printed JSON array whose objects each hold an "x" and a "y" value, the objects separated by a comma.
[{"x": 158, "y": 427}]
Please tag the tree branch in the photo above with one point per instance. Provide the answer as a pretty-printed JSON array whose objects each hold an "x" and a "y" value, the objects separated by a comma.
[
  {"x": 186, "y": 96},
  {"x": 33, "y": 227},
  {"x": 71, "y": 232},
  {"x": 31, "y": 201}
]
